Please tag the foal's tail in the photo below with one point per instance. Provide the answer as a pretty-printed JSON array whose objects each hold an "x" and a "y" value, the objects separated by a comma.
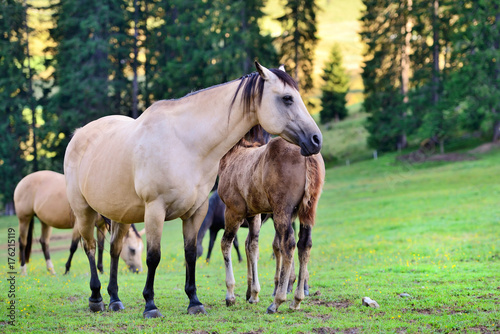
[
  {"x": 29, "y": 242},
  {"x": 315, "y": 177}
]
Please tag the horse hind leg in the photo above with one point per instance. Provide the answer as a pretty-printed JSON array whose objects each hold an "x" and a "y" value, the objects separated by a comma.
[
  {"x": 85, "y": 218},
  {"x": 233, "y": 222},
  {"x": 26, "y": 224},
  {"x": 153, "y": 221},
  {"x": 75, "y": 239},
  {"x": 252, "y": 252},
  {"x": 44, "y": 242},
  {"x": 118, "y": 231},
  {"x": 285, "y": 233},
  {"x": 304, "y": 249},
  {"x": 101, "y": 235},
  {"x": 190, "y": 229}
]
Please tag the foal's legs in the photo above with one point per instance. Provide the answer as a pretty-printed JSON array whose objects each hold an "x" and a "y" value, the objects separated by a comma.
[
  {"x": 304, "y": 247},
  {"x": 75, "y": 239},
  {"x": 252, "y": 251},
  {"x": 284, "y": 233},
  {"x": 118, "y": 231},
  {"x": 233, "y": 222},
  {"x": 190, "y": 227},
  {"x": 44, "y": 242}
]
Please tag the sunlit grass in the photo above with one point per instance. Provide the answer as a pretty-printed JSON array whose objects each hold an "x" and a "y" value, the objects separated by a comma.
[{"x": 383, "y": 229}]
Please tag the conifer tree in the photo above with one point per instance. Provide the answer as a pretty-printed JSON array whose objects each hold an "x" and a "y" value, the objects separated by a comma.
[
  {"x": 298, "y": 41},
  {"x": 335, "y": 88}
]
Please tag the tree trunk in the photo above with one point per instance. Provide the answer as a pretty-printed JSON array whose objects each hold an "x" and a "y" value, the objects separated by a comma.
[
  {"x": 496, "y": 129},
  {"x": 135, "y": 84},
  {"x": 31, "y": 96},
  {"x": 405, "y": 66}
]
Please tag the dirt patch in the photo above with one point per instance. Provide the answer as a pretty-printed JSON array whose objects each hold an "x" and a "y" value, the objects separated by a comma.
[
  {"x": 420, "y": 156},
  {"x": 484, "y": 148},
  {"x": 254, "y": 332},
  {"x": 336, "y": 304},
  {"x": 482, "y": 330}
]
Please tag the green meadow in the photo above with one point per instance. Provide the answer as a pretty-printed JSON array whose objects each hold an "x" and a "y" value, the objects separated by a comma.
[{"x": 383, "y": 228}]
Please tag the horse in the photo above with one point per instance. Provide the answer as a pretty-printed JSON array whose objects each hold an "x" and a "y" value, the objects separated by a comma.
[
  {"x": 214, "y": 222},
  {"x": 43, "y": 194},
  {"x": 273, "y": 178},
  {"x": 163, "y": 164}
]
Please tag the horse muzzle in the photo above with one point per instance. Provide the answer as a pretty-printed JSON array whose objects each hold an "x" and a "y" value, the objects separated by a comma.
[{"x": 311, "y": 144}]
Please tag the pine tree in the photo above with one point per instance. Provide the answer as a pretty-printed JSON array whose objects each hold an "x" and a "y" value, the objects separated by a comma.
[
  {"x": 335, "y": 88},
  {"x": 384, "y": 32},
  {"x": 476, "y": 84},
  {"x": 298, "y": 41},
  {"x": 90, "y": 58},
  {"x": 14, "y": 97},
  {"x": 199, "y": 44}
]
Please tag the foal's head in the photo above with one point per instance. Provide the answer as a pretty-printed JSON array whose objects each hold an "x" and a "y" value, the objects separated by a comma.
[{"x": 274, "y": 96}]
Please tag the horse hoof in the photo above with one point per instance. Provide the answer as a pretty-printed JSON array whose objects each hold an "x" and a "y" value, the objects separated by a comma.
[
  {"x": 253, "y": 300},
  {"x": 152, "y": 314},
  {"x": 116, "y": 306},
  {"x": 230, "y": 302},
  {"x": 271, "y": 309},
  {"x": 198, "y": 309},
  {"x": 295, "y": 305},
  {"x": 97, "y": 307}
]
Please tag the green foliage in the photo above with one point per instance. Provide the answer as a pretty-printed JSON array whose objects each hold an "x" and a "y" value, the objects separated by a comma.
[
  {"x": 14, "y": 97},
  {"x": 335, "y": 88},
  {"x": 88, "y": 54},
  {"x": 394, "y": 228},
  {"x": 298, "y": 41},
  {"x": 382, "y": 23},
  {"x": 202, "y": 43}
]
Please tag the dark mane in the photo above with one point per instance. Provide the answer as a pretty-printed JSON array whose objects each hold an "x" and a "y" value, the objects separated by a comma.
[
  {"x": 135, "y": 230},
  {"x": 253, "y": 86}
]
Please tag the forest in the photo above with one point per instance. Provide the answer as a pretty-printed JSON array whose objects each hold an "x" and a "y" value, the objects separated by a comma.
[{"x": 430, "y": 69}]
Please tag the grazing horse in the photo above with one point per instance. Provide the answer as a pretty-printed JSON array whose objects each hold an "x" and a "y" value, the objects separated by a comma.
[
  {"x": 162, "y": 166},
  {"x": 43, "y": 194},
  {"x": 273, "y": 178}
]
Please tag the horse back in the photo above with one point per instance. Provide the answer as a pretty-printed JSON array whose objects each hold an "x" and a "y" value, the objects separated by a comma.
[{"x": 43, "y": 194}]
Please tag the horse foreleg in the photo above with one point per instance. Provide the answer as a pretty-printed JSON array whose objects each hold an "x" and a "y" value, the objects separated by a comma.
[
  {"x": 75, "y": 239},
  {"x": 233, "y": 222},
  {"x": 304, "y": 249},
  {"x": 44, "y": 242},
  {"x": 153, "y": 220},
  {"x": 284, "y": 232},
  {"x": 118, "y": 231},
  {"x": 190, "y": 229},
  {"x": 252, "y": 252}
]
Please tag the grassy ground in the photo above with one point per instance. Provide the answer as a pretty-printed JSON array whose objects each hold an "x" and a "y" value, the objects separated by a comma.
[{"x": 383, "y": 229}]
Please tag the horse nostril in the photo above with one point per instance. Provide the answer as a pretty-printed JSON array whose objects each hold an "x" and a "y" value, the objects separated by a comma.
[{"x": 316, "y": 140}]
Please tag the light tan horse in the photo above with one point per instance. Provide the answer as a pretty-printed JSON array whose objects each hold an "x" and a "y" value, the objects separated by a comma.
[
  {"x": 273, "y": 178},
  {"x": 162, "y": 166},
  {"x": 43, "y": 194}
]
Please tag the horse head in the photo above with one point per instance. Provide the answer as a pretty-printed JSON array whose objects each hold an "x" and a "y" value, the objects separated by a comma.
[
  {"x": 132, "y": 249},
  {"x": 282, "y": 112}
]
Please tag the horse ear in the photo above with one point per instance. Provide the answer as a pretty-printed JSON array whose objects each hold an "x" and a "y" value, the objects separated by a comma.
[
  {"x": 141, "y": 232},
  {"x": 282, "y": 67},
  {"x": 263, "y": 72}
]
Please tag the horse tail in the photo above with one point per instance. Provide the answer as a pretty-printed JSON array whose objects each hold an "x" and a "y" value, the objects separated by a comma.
[
  {"x": 29, "y": 242},
  {"x": 315, "y": 177}
]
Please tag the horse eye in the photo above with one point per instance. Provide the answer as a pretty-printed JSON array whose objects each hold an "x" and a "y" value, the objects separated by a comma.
[
  {"x": 132, "y": 250},
  {"x": 287, "y": 99}
]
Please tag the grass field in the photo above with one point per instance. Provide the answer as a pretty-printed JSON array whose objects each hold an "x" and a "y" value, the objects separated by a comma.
[{"x": 383, "y": 228}]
